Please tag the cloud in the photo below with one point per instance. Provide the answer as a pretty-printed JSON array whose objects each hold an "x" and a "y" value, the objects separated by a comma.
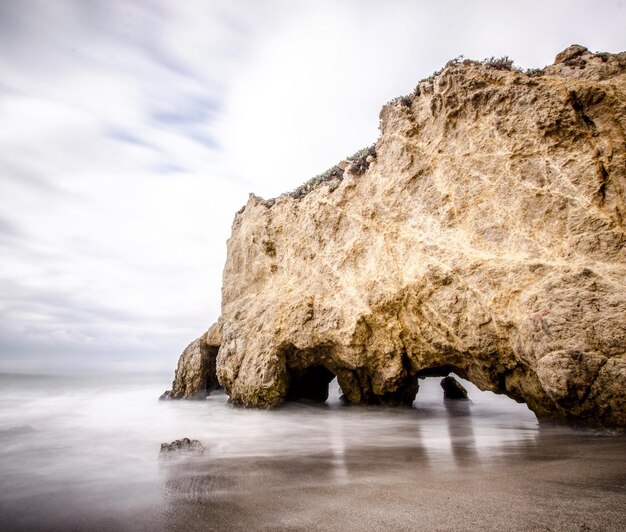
[
  {"x": 8, "y": 228},
  {"x": 131, "y": 133},
  {"x": 316, "y": 86}
]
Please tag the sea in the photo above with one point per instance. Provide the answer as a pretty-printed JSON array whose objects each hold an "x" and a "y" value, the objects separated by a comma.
[{"x": 82, "y": 452}]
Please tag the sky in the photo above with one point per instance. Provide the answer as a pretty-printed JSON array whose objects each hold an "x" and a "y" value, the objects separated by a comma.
[{"x": 132, "y": 131}]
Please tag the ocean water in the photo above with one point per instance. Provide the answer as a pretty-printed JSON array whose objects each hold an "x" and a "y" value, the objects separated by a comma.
[{"x": 82, "y": 453}]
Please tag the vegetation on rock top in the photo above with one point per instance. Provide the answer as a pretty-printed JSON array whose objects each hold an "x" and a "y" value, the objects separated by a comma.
[{"x": 358, "y": 163}]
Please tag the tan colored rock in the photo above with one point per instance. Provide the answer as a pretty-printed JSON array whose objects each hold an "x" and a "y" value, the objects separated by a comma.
[
  {"x": 570, "y": 53},
  {"x": 213, "y": 336},
  {"x": 195, "y": 375},
  {"x": 485, "y": 236},
  {"x": 578, "y": 62}
]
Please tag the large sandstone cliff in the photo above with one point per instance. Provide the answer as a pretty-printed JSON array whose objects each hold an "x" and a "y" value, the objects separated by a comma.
[{"x": 482, "y": 235}]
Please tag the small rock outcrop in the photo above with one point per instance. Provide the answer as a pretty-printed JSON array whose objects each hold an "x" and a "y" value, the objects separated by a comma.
[
  {"x": 195, "y": 376},
  {"x": 453, "y": 389},
  {"x": 483, "y": 234},
  {"x": 181, "y": 447}
]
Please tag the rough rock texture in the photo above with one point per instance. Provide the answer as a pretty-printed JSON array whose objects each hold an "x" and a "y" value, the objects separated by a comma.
[
  {"x": 195, "y": 375},
  {"x": 184, "y": 446},
  {"x": 453, "y": 389},
  {"x": 484, "y": 238}
]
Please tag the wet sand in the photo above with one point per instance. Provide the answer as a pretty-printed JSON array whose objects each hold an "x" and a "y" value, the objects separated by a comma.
[{"x": 554, "y": 484}]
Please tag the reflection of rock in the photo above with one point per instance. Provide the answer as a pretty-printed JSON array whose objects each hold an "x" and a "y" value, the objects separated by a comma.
[
  {"x": 184, "y": 446},
  {"x": 453, "y": 389},
  {"x": 484, "y": 237},
  {"x": 461, "y": 430},
  {"x": 195, "y": 376}
]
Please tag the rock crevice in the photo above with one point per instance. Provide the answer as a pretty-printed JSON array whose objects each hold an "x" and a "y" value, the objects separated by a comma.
[{"x": 196, "y": 374}]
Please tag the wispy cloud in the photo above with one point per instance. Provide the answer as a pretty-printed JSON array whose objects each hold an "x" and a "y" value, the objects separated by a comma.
[
  {"x": 126, "y": 136},
  {"x": 130, "y": 133}
]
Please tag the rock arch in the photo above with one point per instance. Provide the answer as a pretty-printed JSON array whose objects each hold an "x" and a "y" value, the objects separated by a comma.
[{"x": 306, "y": 373}]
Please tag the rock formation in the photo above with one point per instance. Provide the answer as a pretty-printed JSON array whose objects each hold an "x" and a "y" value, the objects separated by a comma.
[
  {"x": 180, "y": 447},
  {"x": 453, "y": 389},
  {"x": 483, "y": 235},
  {"x": 195, "y": 376}
]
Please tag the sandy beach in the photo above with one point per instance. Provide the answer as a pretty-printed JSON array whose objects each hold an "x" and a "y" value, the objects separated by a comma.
[
  {"x": 89, "y": 460},
  {"x": 555, "y": 484}
]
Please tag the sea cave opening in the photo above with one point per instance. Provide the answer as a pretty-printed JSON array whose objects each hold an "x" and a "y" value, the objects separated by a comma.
[
  {"x": 309, "y": 384},
  {"x": 211, "y": 383},
  {"x": 452, "y": 389},
  {"x": 309, "y": 380}
]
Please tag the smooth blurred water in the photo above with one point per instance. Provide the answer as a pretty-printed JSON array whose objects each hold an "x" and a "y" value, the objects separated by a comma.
[{"x": 83, "y": 452}]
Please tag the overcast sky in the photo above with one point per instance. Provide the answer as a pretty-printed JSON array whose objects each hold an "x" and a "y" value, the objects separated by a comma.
[{"x": 131, "y": 132}]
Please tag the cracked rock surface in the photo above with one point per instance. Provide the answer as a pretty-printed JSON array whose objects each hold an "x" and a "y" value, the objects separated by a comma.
[{"x": 485, "y": 238}]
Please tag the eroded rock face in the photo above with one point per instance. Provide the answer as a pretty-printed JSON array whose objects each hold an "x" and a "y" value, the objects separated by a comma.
[
  {"x": 195, "y": 375},
  {"x": 483, "y": 235}
]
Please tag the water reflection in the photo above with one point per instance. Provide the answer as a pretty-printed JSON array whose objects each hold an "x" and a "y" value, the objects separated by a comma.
[
  {"x": 461, "y": 432},
  {"x": 84, "y": 454}
]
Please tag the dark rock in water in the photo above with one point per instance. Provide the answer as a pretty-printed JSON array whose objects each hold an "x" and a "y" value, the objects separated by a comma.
[
  {"x": 166, "y": 396},
  {"x": 184, "y": 446},
  {"x": 453, "y": 389}
]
